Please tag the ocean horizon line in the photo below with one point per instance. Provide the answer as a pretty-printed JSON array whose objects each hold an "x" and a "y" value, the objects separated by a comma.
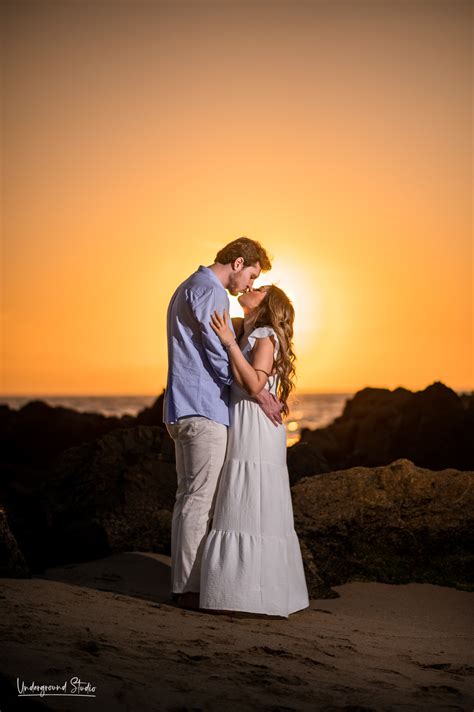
[{"x": 305, "y": 391}]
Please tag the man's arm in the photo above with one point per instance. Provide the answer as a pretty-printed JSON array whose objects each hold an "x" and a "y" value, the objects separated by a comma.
[
  {"x": 270, "y": 405},
  {"x": 202, "y": 306}
]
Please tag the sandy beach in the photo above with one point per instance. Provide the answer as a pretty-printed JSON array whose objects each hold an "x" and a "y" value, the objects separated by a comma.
[{"x": 110, "y": 622}]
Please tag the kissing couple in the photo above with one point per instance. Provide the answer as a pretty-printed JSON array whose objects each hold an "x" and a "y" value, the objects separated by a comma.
[{"x": 233, "y": 542}]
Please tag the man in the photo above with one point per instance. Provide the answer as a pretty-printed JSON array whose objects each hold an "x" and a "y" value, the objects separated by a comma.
[{"x": 196, "y": 404}]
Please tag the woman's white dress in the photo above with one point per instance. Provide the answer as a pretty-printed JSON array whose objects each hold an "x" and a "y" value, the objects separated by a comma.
[{"x": 251, "y": 558}]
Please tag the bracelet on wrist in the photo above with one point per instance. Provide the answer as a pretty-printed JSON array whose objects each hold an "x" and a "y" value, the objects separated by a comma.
[{"x": 228, "y": 346}]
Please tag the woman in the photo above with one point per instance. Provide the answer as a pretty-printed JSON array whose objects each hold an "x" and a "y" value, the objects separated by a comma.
[{"x": 251, "y": 558}]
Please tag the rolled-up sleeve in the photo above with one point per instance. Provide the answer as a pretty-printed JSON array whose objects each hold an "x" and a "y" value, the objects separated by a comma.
[{"x": 203, "y": 305}]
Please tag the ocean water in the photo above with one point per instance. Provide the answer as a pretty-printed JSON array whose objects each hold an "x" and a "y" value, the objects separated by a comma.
[{"x": 307, "y": 410}]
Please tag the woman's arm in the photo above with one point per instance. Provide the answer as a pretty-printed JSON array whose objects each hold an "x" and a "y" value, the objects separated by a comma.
[{"x": 252, "y": 377}]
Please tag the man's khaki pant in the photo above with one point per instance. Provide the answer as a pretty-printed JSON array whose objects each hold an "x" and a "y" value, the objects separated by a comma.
[{"x": 200, "y": 446}]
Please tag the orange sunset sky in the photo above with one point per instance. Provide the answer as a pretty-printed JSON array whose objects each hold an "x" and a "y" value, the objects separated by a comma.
[{"x": 140, "y": 137}]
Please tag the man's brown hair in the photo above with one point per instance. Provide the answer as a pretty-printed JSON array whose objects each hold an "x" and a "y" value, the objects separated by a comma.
[{"x": 250, "y": 250}]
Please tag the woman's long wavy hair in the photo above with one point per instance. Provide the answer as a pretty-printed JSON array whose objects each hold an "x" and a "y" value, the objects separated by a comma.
[{"x": 277, "y": 311}]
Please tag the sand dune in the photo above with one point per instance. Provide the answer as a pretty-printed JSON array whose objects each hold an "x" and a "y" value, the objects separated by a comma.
[{"x": 110, "y": 622}]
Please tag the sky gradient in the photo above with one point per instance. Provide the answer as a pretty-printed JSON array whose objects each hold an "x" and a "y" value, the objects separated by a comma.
[{"x": 139, "y": 138}]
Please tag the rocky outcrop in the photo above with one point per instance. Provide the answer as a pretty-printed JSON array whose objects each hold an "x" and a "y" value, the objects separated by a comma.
[
  {"x": 152, "y": 415},
  {"x": 111, "y": 495},
  {"x": 12, "y": 561},
  {"x": 39, "y": 446},
  {"x": 85, "y": 495},
  {"x": 395, "y": 524},
  {"x": 433, "y": 428},
  {"x": 35, "y": 434}
]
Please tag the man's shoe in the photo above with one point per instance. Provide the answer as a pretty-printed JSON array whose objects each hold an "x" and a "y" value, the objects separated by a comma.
[{"x": 189, "y": 599}]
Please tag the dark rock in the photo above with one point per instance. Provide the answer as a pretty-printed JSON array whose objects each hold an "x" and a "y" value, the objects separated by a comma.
[
  {"x": 152, "y": 415},
  {"x": 433, "y": 428},
  {"x": 81, "y": 486},
  {"x": 317, "y": 586},
  {"x": 304, "y": 460},
  {"x": 39, "y": 443},
  {"x": 394, "y": 524},
  {"x": 12, "y": 561},
  {"x": 123, "y": 484},
  {"x": 110, "y": 495},
  {"x": 35, "y": 434}
]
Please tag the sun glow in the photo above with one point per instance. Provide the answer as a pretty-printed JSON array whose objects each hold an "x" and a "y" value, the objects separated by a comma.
[
  {"x": 296, "y": 282},
  {"x": 111, "y": 204}
]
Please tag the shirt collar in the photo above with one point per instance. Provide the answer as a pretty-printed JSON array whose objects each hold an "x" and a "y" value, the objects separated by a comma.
[{"x": 211, "y": 276}]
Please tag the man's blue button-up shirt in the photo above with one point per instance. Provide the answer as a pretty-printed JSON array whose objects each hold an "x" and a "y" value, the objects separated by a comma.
[{"x": 199, "y": 372}]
